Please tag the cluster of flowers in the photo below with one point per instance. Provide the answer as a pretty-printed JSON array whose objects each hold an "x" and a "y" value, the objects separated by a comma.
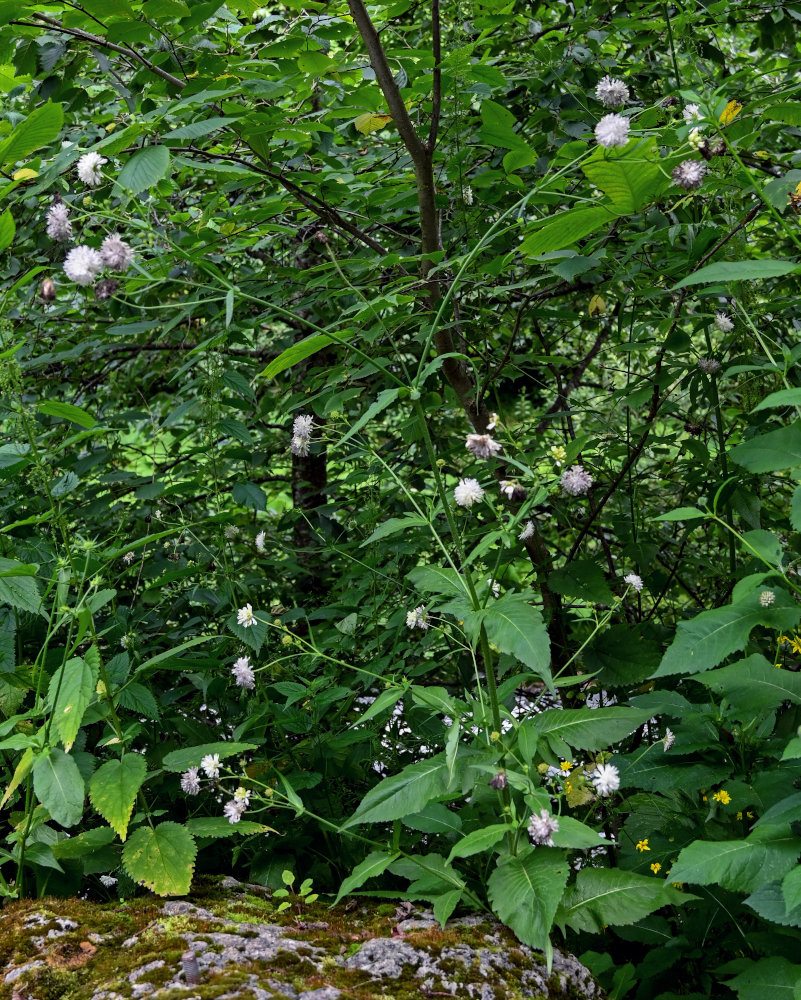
[
  {"x": 301, "y": 435},
  {"x": 83, "y": 263},
  {"x": 210, "y": 766},
  {"x": 605, "y": 778}
]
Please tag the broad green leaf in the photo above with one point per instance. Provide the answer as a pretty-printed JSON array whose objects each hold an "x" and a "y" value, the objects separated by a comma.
[
  {"x": 524, "y": 892},
  {"x": 785, "y": 811},
  {"x": 299, "y": 352},
  {"x": 72, "y": 687},
  {"x": 628, "y": 182},
  {"x": 435, "y": 580},
  {"x": 706, "y": 640},
  {"x": 795, "y": 509},
  {"x": 395, "y": 525},
  {"x": 59, "y": 786},
  {"x": 575, "y": 834},
  {"x": 434, "y": 818},
  {"x": 611, "y": 896},
  {"x": 623, "y": 655},
  {"x": 385, "y": 398},
  {"x": 780, "y": 399},
  {"x": 589, "y": 728},
  {"x": 144, "y": 169},
  {"x": 740, "y": 865},
  {"x": 194, "y": 130},
  {"x": 772, "y": 452},
  {"x": 788, "y": 112},
  {"x": 581, "y": 578},
  {"x": 567, "y": 228},
  {"x": 681, "y": 514},
  {"x": 739, "y": 270},
  {"x": 250, "y": 495},
  {"x": 444, "y": 905},
  {"x": 113, "y": 789},
  {"x": 387, "y": 699},
  {"x": 7, "y": 229},
  {"x": 793, "y": 749},
  {"x": 371, "y": 121},
  {"x": 161, "y": 859},
  {"x": 17, "y": 588},
  {"x": 791, "y": 889},
  {"x": 516, "y": 627},
  {"x": 656, "y": 772},
  {"x": 137, "y": 698},
  {"x": 769, "y": 903},
  {"x": 66, "y": 411},
  {"x": 753, "y": 684},
  {"x": 479, "y": 840},
  {"x": 768, "y": 979},
  {"x": 376, "y": 863},
  {"x": 404, "y": 793},
  {"x": 21, "y": 772},
  {"x": 497, "y": 127},
  {"x": 84, "y": 843},
  {"x": 180, "y": 760},
  {"x": 40, "y": 127},
  {"x": 215, "y": 827}
]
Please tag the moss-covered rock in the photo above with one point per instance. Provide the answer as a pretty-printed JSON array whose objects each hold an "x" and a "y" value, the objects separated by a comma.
[{"x": 229, "y": 941}]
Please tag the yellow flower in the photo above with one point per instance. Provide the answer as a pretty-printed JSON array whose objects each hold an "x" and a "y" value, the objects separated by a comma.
[
  {"x": 739, "y": 815},
  {"x": 656, "y": 867},
  {"x": 642, "y": 845},
  {"x": 494, "y": 736},
  {"x": 566, "y": 765},
  {"x": 795, "y": 644},
  {"x": 568, "y": 787},
  {"x": 749, "y": 814},
  {"x": 722, "y": 796},
  {"x": 677, "y": 885},
  {"x": 730, "y": 112}
]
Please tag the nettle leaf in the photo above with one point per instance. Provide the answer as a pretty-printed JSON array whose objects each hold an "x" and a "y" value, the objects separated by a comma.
[
  {"x": 525, "y": 891},
  {"x": 72, "y": 687},
  {"x": 215, "y": 827},
  {"x": 137, "y": 698},
  {"x": 404, "y": 793},
  {"x": 610, "y": 896},
  {"x": 113, "y": 789},
  {"x": 161, "y": 859},
  {"x": 254, "y": 635},
  {"x": 767, "y": 979},
  {"x": 180, "y": 760},
  {"x": 706, "y": 640},
  {"x": 589, "y": 728},
  {"x": 771, "y": 452},
  {"x": 376, "y": 863},
  {"x": 753, "y": 684},
  {"x": 17, "y": 588},
  {"x": 770, "y": 904},
  {"x": 59, "y": 786},
  {"x": 741, "y": 865},
  {"x": 438, "y": 580},
  {"x": 516, "y": 627},
  {"x": 629, "y": 179}
]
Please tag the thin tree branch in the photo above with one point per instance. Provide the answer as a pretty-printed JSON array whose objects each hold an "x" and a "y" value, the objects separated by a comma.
[{"x": 436, "y": 83}]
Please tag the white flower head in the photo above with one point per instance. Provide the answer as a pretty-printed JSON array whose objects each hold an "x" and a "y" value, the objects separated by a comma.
[
  {"x": 259, "y": 543},
  {"x": 243, "y": 673},
  {"x": 59, "y": 226},
  {"x": 766, "y": 598},
  {"x": 116, "y": 253},
  {"x": 417, "y": 618},
  {"x": 633, "y": 580},
  {"x": 210, "y": 765},
  {"x": 302, "y": 425},
  {"x": 606, "y": 779},
  {"x": 723, "y": 322},
  {"x": 242, "y": 795},
  {"x": 527, "y": 532},
  {"x": 231, "y": 532},
  {"x": 692, "y": 114},
  {"x": 708, "y": 365},
  {"x": 467, "y": 195},
  {"x": 190, "y": 782},
  {"x": 128, "y": 558},
  {"x": 299, "y": 446},
  {"x": 695, "y": 138},
  {"x": 82, "y": 265},
  {"x": 89, "y": 169},
  {"x": 467, "y": 492},
  {"x": 612, "y": 130},
  {"x": 108, "y": 881},
  {"x": 233, "y": 810},
  {"x": 612, "y": 93},
  {"x": 245, "y": 617},
  {"x": 494, "y": 586},
  {"x": 668, "y": 739},
  {"x": 542, "y": 827},
  {"x": 576, "y": 481},
  {"x": 482, "y": 445},
  {"x": 689, "y": 174}
]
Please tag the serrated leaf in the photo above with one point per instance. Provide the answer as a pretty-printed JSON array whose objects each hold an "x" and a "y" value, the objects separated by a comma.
[
  {"x": 589, "y": 728},
  {"x": 376, "y": 863},
  {"x": 180, "y": 760},
  {"x": 404, "y": 793},
  {"x": 71, "y": 689},
  {"x": 629, "y": 183},
  {"x": 59, "y": 786},
  {"x": 41, "y": 127},
  {"x": 372, "y": 121},
  {"x": 753, "y": 684},
  {"x": 144, "y": 169},
  {"x": 768, "y": 979},
  {"x": 741, "y": 865},
  {"x": 791, "y": 889},
  {"x": 706, "y": 640},
  {"x": 113, "y": 789},
  {"x": 772, "y": 452},
  {"x": 610, "y": 896},
  {"x": 161, "y": 859},
  {"x": 137, "y": 698},
  {"x": 83, "y": 843},
  {"x": 17, "y": 588},
  {"x": 516, "y": 627},
  {"x": 218, "y": 826},
  {"x": 525, "y": 890},
  {"x": 581, "y": 578}
]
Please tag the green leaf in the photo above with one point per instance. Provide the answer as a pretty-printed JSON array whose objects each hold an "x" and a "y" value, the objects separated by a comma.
[
  {"x": 250, "y": 495},
  {"x": 629, "y": 180},
  {"x": 568, "y": 228},
  {"x": 161, "y": 859},
  {"x": 706, "y": 640},
  {"x": 299, "y": 352},
  {"x": 795, "y": 509},
  {"x": 434, "y": 818},
  {"x": 768, "y": 979},
  {"x": 137, "y": 698},
  {"x": 516, "y": 627},
  {"x": 589, "y": 728},
  {"x": 739, "y": 270},
  {"x": 575, "y": 834},
  {"x": 113, "y": 789},
  {"x": 387, "y": 699},
  {"x": 194, "y": 130},
  {"x": 788, "y": 112},
  {"x": 657, "y": 773},
  {"x": 771, "y": 452},
  {"x": 769, "y": 903},
  {"x": 376, "y": 863},
  {"x": 41, "y": 127},
  {"x": 611, "y": 896},
  {"x": 215, "y": 827},
  {"x": 59, "y": 786},
  {"x": 782, "y": 398},
  {"x": 180, "y": 760},
  {"x": 524, "y": 892},
  {"x": 753, "y": 684},
  {"x": 581, "y": 578},
  {"x": 84, "y": 843},
  {"x": 66, "y": 411},
  {"x": 72, "y": 687},
  {"x": 7, "y": 229},
  {"x": 437, "y": 580},
  {"x": 393, "y": 526},
  {"x": 144, "y": 169},
  {"x": 385, "y": 398},
  {"x": 681, "y": 514},
  {"x": 404, "y": 793},
  {"x": 791, "y": 889},
  {"x": 497, "y": 127},
  {"x": 740, "y": 865},
  {"x": 479, "y": 840},
  {"x": 17, "y": 588}
]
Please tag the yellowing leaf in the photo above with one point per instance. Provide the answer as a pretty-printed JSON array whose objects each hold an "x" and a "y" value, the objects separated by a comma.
[
  {"x": 25, "y": 174},
  {"x": 371, "y": 122},
  {"x": 597, "y": 306},
  {"x": 730, "y": 112}
]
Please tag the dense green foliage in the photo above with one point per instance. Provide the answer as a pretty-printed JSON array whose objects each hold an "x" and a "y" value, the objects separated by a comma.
[{"x": 261, "y": 609}]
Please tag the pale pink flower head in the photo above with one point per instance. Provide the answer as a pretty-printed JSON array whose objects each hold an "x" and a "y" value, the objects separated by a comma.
[
  {"x": 611, "y": 92},
  {"x": 541, "y": 828},
  {"x": 689, "y": 174},
  {"x": 576, "y": 481},
  {"x": 116, "y": 253},
  {"x": 59, "y": 226},
  {"x": 612, "y": 130},
  {"x": 243, "y": 673},
  {"x": 482, "y": 445}
]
